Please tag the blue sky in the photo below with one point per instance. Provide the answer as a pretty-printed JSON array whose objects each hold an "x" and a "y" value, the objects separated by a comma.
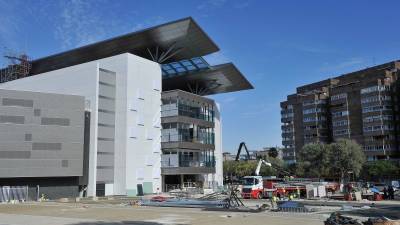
[{"x": 278, "y": 45}]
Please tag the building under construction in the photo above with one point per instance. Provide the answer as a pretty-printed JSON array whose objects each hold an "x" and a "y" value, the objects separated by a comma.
[
  {"x": 19, "y": 67},
  {"x": 148, "y": 126}
]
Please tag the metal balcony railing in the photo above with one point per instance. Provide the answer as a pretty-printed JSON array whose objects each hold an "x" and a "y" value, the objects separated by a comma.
[{"x": 187, "y": 163}]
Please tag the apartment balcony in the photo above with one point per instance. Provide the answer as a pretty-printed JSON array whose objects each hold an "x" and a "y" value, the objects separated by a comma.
[
  {"x": 288, "y": 154},
  {"x": 188, "y": 120},
  {"x": 288, "y": 142},
  {"x": 187, "y": 105},
  {"x": 287, "y": 119},
  {"x": 171, "y": 165},
  {"x": 171, "y": 141},
  {"x": 288, "y": 135}
]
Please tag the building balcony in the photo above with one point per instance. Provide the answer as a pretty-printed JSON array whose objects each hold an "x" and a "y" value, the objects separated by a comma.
[
  {"x": 201, "y": 139},
  {"x": 287, "y": 119},
  {"x": 187, "y": 120},
  {"x": 289, "y": 135},
  {"x": 170, "y": 165},
  {"x": 180, "y": 103},
  {"x": 187, "y": 170},
  {"x": 288, "y": 142}
]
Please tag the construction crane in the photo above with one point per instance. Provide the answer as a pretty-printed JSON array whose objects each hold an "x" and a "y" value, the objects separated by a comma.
[{"x": 241, "y": 145}]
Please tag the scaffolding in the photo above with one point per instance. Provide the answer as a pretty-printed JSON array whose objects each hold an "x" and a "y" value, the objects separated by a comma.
[{"x": 19, "y": 67}]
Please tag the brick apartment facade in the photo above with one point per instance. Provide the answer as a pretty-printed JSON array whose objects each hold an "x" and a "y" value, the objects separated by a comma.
[{"x": 361, "y": 105}]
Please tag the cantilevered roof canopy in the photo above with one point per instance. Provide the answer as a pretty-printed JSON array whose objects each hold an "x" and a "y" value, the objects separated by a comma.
[
  {"x": 181, "y": 39},
  {"x": 217, "y": 79}
]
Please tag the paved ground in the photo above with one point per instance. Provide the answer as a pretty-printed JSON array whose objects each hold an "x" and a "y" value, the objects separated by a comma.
[
  {"x": 80, "y": 214},
  {"x": 390, "y": 209},
  {"x": 113, "y": 213}
]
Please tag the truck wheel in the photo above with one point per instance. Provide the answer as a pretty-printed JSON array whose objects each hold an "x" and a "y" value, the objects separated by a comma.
[{"x": 259, "y": 195}]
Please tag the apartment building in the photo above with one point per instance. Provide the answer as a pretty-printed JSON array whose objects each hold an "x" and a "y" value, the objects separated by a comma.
[{"x": 361, "y": 105}]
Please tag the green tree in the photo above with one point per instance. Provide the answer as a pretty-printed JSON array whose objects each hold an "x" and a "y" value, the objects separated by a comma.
[
  {"x": 273, "y": 153},
  {"x": 247, "y": 168},
  {"x": 345, "y": 157},
  {"x": 229, "y": 168},
  {"x": 380, "y": 169},
  {"x": 275, "y": 170},
  {"x": 313, "y": 160}
]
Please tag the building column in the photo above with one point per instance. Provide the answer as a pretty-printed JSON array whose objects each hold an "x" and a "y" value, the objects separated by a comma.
[{"x": 182, "y": 181}]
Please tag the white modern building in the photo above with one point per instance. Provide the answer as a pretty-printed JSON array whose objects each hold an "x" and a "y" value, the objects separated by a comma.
[{"x": 125, "y": 89}]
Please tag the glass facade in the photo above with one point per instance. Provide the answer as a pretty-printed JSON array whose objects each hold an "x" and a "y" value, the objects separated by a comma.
[
  {"x": 184, "y": 67},
  {"x": 187, "y": 158},
  {"x": 189, "y": 108},
  {"x": 184, "y": 132}
]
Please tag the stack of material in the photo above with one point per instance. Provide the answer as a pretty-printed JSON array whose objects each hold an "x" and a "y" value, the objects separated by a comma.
[
  {"x": 292, "y": 206},
  {"x": 381, "y": 221},
  {"x": 337, "y": 219}
]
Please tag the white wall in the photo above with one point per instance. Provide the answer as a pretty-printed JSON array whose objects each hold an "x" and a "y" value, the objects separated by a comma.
[
  {"x": 138, "y": 158},
  {"x": 136, "y": 78},
  {"x": 219, "y": 177},
  {"x": 144, "y": 151}
]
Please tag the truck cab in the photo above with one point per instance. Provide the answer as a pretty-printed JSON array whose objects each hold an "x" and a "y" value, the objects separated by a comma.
[{"x": 252, "y": 187}]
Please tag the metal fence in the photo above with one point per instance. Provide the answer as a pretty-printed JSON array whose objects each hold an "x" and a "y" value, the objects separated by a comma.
[{"x": 13, "y": 193}]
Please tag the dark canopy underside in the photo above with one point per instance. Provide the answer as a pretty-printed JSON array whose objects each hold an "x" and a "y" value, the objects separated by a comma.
[
  {"x": 218, "y": 79},
  {"x": 185, "y": 35}
]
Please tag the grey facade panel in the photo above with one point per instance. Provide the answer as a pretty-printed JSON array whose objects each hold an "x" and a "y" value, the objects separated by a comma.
[
  {"x": 106, "y": 126},
  {"x": 107, "y": 91},
  {"x": 36, "y": 112},
  {"x": 17, "y": 102},
  {"x": 28, "y": 137},
  {"x": 15, "y": 154},
  {"x": 55, "y": 121},
  {"x": 42, "y": 133},
  {"x": 106, "y": 118},
  {"x": 12, "y": 119}
]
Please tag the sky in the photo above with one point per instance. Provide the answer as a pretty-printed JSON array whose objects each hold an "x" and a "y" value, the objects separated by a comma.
[{"x": 277, "y": 45}]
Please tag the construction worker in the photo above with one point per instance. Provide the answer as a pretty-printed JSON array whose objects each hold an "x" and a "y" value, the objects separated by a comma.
[{"x": 273, "y": 201}]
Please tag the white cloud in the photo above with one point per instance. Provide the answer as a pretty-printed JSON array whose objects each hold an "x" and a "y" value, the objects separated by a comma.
[
  {"x": 83, "y": 22},
  {"x": 302, "y": 47},
  {"x": 10, "y": 29},
  {"x": 241, "y": 4},
  {"x": 211, "y": 4},
  {"x": 79, "y": 24},
  {"x": 350, "y": 63},
  {"x": 153, "y": 21},
  {"x": 260, "y": 110}
]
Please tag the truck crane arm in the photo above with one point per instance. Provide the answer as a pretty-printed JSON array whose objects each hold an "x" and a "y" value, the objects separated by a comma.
[{"x": 257, "y": 172}]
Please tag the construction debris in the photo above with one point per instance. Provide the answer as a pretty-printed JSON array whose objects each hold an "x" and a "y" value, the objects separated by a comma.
[
  {"x": 337, "y": 219},
  {"x": 381, "y": 221},
  {"x": 219, "y": 200}
]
